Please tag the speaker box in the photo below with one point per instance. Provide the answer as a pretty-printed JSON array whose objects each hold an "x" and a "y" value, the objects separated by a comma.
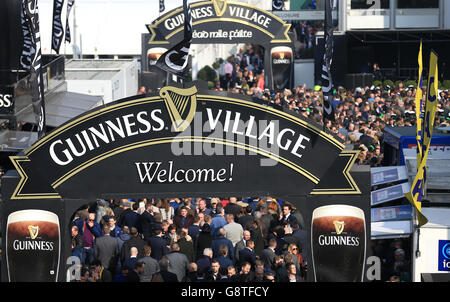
[{"x": 353, "y": 80}]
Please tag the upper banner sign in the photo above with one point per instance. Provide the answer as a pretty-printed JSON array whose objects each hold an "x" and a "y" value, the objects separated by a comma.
[
  {"x": 234, "y": 22},
  {"x": 184, "y": 140}
]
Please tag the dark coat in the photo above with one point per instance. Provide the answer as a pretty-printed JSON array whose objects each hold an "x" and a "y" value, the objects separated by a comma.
[
  {"x": 106, "y": 249},
  {"x": 291, "y": 218},
  {"x": 193, "y": 231},
  {"x": 158, "y": 246},
  {"x": 189, "y": 221},
  {"x": 247, "y": 277},
  {"x": 203, "y": 264},
  {"x": 210, "y": 277},
  {"x": 106, "y": 276},
  {"x": 130, "y": 263},
  {"x": 224, "y": 261},
  {"x": 187, "y": 248},
  {"x": 116, "y": 231},
  {"x": 168, "y": 276},
  {"x": 257, "y": 237},
  {"x": 216, "y": 243},
  {"x": 237, "y": 248},
  {"x": 265, "y": 224},
  {"x": 281, "y": 274},
  {"x": 127, "y": 245},
  {"x": 302, "y": 235},
  {"x": 247, "y": 255},
  {"x": 130, "y": 219},
  {"x": 232, "y": 208},
  {"x": 146, "y": 221},
  {"x": 268, "y": 257},
  {"x": 204, "y": 240},
  {"x": 132, "y": 276},
  {"x": 246, "y": 221},
  {"x": 290, "y": 239}
]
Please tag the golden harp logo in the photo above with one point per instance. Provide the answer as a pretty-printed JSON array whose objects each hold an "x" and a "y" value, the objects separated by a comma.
[
  {"x": 282, "y": 55},
  {"x": 220, "y": 6},
  {"x": 181, "y": 104},
  {"x": 34, "y": 231},
  {"x": 339, "y": 226}
]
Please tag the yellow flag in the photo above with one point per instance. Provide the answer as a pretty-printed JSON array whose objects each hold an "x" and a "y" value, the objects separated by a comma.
[
  {"x": 416, "y": 193},
  {"x": 418, "y": 102}
]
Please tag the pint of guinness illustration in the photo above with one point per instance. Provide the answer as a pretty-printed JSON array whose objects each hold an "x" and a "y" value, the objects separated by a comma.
[
  {"x": 32, "y": 246},
  {"x": 281, "y": 57},
  {"x": 153, "y": 54},
  {"x": 338, "y": 241}
]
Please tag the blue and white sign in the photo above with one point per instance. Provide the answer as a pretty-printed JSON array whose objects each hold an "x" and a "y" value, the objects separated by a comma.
[
  {"x": 391, "y": 213},
  {"x": 444, "y": 256}
]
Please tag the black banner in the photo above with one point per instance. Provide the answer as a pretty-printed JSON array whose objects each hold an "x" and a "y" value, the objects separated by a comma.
[
  {"x": 57, "y": 26},
  {"x": 327, "y": 81},
  {"x": 6, "y": 100},
  {"x": 212, "y": 142},
  {"x": 29, "y": 47},
  {"x": 31, "y": 16},
  {"x": 69, "y": 8},
  {"x": 175, "y": 60}
]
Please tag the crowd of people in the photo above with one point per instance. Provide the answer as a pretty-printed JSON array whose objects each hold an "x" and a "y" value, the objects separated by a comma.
[
  {"x": 361, "y": 114},
  {"x": 189, "y": 240},
  {"x": 243, "y": 70}
]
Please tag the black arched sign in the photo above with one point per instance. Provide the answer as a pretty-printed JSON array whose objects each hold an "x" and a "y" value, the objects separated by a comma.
[
  {"x": 179, "y": 139},
  {"x": 180, "y": 142},
  {"x": 226, "y": 22}
]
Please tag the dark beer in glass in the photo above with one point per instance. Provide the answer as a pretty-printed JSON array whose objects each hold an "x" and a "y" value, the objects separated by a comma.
[
  {"x": 281, "y": 57},
  {"x": 32, "y": 246},
  {"x": 338, "y": 241}
]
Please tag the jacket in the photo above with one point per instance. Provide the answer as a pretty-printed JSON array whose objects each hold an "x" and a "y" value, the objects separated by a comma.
[
  {"x": 268, "y": 257},
  {"x": 234, "y": 232},
  {"x": 130, "y": 219},
  {"x": 158, "y": 246},
  {"x": 178, "y": 264},
  {"x": 247, "y": 255},
  {"x": 116, "y": 231},
  {"x": 189, "y": 221},
  {"x": 121, "y": 239},
  {"x": 146, "y": 221},
  {"x": 151, "y": 268},
  {"x": 106, "y": 249},
  {"x": 216, "y": 243},
  {"x": 224, "y": 261},
  {"x": 237, "y": 248},
  {"x": 187, "y": 248},
  {"x": 246, "y": 221},
  {"x": 133, "y": 242}
]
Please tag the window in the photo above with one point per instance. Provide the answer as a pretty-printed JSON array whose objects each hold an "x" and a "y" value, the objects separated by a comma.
[
  {"x": 368, "y": 4},
  {"x": 418, "y": 4}
]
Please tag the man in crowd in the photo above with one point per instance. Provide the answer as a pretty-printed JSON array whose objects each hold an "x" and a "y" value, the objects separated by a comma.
[
  {"x": 178, "y": 262},
  {"x": 158, "y": 245},
  {"x": 151, "y": 265},
  {"x": 106, "y": 249},
  {"x": 233, "y": 230}
]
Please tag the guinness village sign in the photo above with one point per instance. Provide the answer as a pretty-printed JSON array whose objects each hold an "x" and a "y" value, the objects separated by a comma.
[
  {"x": 220, "y": 21},
  {"x": 224, "y": 22},
  {"x": 181, "y": 142}
]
